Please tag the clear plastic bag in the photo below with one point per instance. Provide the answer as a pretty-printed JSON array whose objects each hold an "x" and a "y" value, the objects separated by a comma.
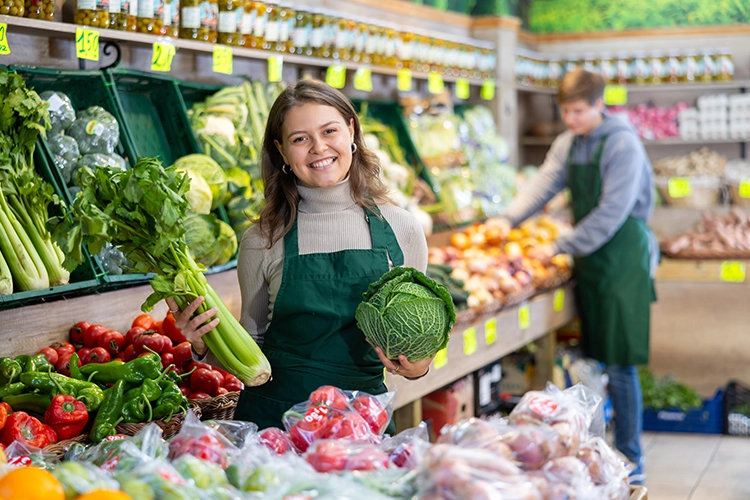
[
  {"x": 122, "y": 454},
  {"x": 93, "y": 161},
  {"x": 202, "y": 441},
  {"x": 607, "y": 470},
  {"x": 407, "y": 449},
  {"x": 78, "y": 478},
  {"x": 203, "y": 474},
  {"x": 96, "y": 131},
  {"x": 476, "y": 433},
  {"x": 159, "y": 480},
  {"x": 328, "y": 455},
  {"x": 276, "y": 440},
  {"x": 61, "y": 112},
  {"x": 20, "y": 454},
  {"x": 112, "y": 260},
  {"x": 65, "y": 151}
]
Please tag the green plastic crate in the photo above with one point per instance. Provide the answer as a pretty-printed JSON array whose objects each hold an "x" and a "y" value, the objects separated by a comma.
[{"x": 192, "y": 92}]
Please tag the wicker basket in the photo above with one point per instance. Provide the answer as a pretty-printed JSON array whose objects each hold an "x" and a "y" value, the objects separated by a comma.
[
  {"x": 170, "y": 428},
  {"x": 61, "y": 447},
  {"x": 516, "y": 298},
  {"x": 218, "y": 408}
]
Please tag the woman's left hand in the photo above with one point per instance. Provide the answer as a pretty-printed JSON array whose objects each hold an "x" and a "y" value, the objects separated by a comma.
[{"x": 403, "y": 366}]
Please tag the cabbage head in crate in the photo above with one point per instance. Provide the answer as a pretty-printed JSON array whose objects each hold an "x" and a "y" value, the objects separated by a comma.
[
  {"x": 61, "y": 112},
  {"x": 65, "y": 151},
  {"x": 211, "y": 241},
  {"x": 207, "y": 168},
  {"x": 96, "y": 131}
]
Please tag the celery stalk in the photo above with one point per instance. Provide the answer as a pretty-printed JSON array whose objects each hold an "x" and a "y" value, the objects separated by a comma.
[
  {"x": 23, "y": 261},
  {"x": 6, "y": 280}
]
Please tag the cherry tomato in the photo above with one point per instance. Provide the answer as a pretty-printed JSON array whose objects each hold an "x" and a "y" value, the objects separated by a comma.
[
  {"x": 63, "y": 365},
  {"x": 145, "y": 321},
  {"x": 183, "y": 355},
  {"x": 112, "y": 341},
  {"x": 167, "y": 359},
  {"x": 92, "y": 334},
  {"x": 186, "y": 392},
  {"x": 63, "y": 348},
  {"x": 232, "y": 383},
  {"x": 150, "y": 340},
  {"x": 96, "y": 355},
  {"x": 51, "y": 355},
  {"x": 77, "y": 331}
]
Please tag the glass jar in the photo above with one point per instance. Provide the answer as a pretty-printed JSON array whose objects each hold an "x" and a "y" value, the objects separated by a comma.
[
  {"x": 191, "y": 27},
  {"x": 658, "y": 65},
  {"x": 437, "y": 54},
  {"x": 622, "y": 68},
  {"x": 377, "y": 39},
  {"x": 725, "y": 66},
  {"x": 390, "y": 40},
  {"x": 591, "y": 63},
  {"x": 210, "y": 18},
  {"x": 163, "y": 17},
  {"x": 317, "y": 35},
  {"x": 405, "y": 50},
  {"x": 39, "y": 9},
  {"x": 113, "y": 8},
  {"x": 268, "y": 39},
  {"x": 343, "y": 39},
  {"x": 228, "y": 34},
  {"x": 422, "y": 53},
  {"x": 673, "y": 67},
  {"x": 690, "y": 64},
  {"x": 248, "y": 22},
  {"x": 288, "y": 25},
  {"x": 571, "y": 64},
  {"x": 555, "y": 72},
  {"x": 607, "y": 68},
  {"x": 707, "y": 66},
  {"x": 145, "y": 20},
  {"x": 359, "y": 43},
  {"x": 451, "y": 58},
  {"x": 18, "y": 8},
  {"x": 88, "y": 12},
  {"x": 303, "y": 23},
  {"x": 641, "y": 72},
  {"x": 330, "y": 30}
]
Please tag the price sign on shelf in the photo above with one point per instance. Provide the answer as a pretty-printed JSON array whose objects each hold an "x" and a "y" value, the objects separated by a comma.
[
  {"x": 363, "y": 79},
  {"x": 488, "y": 90},
  {"x": 161, "y": 57},
  {"x": 435, "y": 84},
  {"x": 470, "y": 341},
  {"x": 679, "y": 187},
  {"x": 403, "y": 79},
  {"x": 615, "y": 95},
  {"x": 336, "y": 76},
  {"x": 223, "y": 60},
  {"x": 524, "y": 317},
  {"x": 462, "y": 88},
  {"x": 275, "y": 67},
  {"x": 87, "y": 44},
  {"x": 744, "y": 185},
  {"x": 441, "y": 358},
  {"x": 558, "y": 300},
  {"x": 490, "y": 331},
  {"x": 733, "y": 271},
  {"x": 4, "y": 47}
]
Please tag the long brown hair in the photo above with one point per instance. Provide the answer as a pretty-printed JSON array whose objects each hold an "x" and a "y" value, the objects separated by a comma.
[{"x": 280, "y": 191}]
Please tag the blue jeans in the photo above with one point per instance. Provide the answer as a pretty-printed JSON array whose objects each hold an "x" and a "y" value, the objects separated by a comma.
[{"x": 627, "y": 403}]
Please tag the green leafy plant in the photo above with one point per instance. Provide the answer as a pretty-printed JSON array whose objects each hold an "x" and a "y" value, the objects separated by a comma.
[{"x": 666, "y": 393}]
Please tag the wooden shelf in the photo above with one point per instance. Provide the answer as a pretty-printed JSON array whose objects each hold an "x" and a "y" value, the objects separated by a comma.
[
  {"x": 705, "y": 271},
  {"x": 543, "y": 320},
  {"x": 546, "y": 141},
  {"x": 54, "y": 29},
  {"x": 664, "y": 87}
]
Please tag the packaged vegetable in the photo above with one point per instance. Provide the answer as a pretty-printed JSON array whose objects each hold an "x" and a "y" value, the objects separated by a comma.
[
  {"x": 202, "y": 473},
  {"x": 21, "y": 454},
  {"x": 66, "y": 154},
  {"x": 328, "y": 455},
  {"x": 202, "y": 442},
  {"x": 407, "y": 449},
  {"x": 79, "y": 478},
  {"x": 61, "y": 112},
  {"x": 96, "y": 131},
  {"x": 93, "y": 161},
  {"x": 158, "y": 480},
  {"x": 122, "y": 453}
]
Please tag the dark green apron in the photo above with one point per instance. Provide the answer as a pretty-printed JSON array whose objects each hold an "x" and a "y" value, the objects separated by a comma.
[
  {"x": 614, "y": 288},
  {"x": 313, "y": 339}
]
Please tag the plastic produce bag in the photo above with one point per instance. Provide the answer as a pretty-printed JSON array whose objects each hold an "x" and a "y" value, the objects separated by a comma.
[
  {"x": 203, "y": 474},
  {"x": 203, "y": 442},
  {"x": 122, "y": 164},
  {"x": 22, "y": 455},
  {"x": 407, "y": 449},
  {"x": 239, "y": 433},
  {"x": 96, "y": 131},
  {"x": 607, "y": 470},
  {"x": 61, "y": 112},
  {"x": 65, "y": 151},
  {"x": 122, "y": 453},
  {"x": 157, "y": 480},
  {"x": 94, "y": 161},
  {"x": 258, "y": 468},
  {"x": 333, "y": 455},
  {"x": 276, "y": 440},
  {"x": 476, "y": 433},
  {"x": 112, "y": 260},
  {"x": 78, "y": 478}
]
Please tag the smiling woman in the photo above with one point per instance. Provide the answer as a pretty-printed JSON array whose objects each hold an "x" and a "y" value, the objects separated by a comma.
[{"x": 326, "y": 233}]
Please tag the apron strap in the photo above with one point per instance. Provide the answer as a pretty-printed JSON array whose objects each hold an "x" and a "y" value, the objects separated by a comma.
[{"x": 291, "y": 241}]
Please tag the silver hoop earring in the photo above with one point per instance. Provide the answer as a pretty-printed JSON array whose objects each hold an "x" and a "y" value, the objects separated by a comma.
[
  {"x": 286, "y": 169},
  {"x": 354, "y": 147}
]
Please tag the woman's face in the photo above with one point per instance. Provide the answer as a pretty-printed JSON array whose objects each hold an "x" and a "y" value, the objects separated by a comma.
[{"x": 316, "y": 143}]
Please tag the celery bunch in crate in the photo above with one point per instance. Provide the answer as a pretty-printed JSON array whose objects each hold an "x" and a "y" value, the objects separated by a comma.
[{"x": 142, "y": 211}]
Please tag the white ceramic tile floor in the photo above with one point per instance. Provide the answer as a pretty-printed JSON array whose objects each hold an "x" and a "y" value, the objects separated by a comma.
[{"x": 697, "y": 467}]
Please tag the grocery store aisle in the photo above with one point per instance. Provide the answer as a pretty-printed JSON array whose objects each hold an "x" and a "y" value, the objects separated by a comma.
[{"x": 697, "y": 466}]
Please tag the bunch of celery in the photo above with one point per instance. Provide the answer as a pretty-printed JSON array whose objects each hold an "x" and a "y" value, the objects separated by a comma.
[
  {"x": 28, "y": 257},
  {"x": 142, "y": 211}
]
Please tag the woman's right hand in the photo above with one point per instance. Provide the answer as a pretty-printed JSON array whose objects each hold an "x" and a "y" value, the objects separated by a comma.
[{"x": 193, "y": 329}]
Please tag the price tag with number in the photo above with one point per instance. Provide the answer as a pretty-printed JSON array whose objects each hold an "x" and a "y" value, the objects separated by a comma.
[
  {"x": 161, "y": 58},
  {"x": 336, "y": 76},
  {"x": 4, "y": 47},
  {"x": 615, "y": 95},
  {"x": 733, "y": 271},
  {"x": 462, "y": 88},
  {"x": 403, "y": 79},
  {"x": 441, "y": 358},
  {"x": 223, "y": 60},
  {"x": 470, "y": 341},
  {"x": 488, "y": 90},
  {"x": 490, "y": 331},
  {"x": 363, "y": 79},
  {"x": 275, "y": 67},
  {"x": 87, "y": 44},
  {"x": 435, "y": 84},
  {"x": 744, "y": 185},
  {"x": 558, "y": 300},
  {"x": 679, "y": 187},
  {"x": 524, "y": 317}
]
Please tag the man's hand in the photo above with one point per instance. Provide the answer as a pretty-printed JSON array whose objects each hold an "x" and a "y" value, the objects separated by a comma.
[{"x": 542, "y": 253}]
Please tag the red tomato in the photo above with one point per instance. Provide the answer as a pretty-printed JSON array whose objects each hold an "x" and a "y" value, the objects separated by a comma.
[
  {"x": 77, "y": 331},
  {"x": 220, "y": 391},
  {"x": 276, "y": 440},
  {"x": 167, "y": 359},
  {"x": 403, "y": 456},
  {"x": 186, "y": 392},
  {"x": 311, "y": 427},
  {"x": 150, "y": 340},
  {"x": 233, "y": 384},
  {"x": 112, "y": 341},
  {"x": 183, "y": 355},
  {"x": 350, "y": 427},
  {"x": 51, "y": 355},
  {"x": 373, "y": 412},
  {"x": 200, "y": 395},
  {"x": 207, "y": 381},
  {"x": 132, "y": 334},
  {"x": 370, "y": 458},
  {"x": 330, "y": 396},
  {"x": 328, "y": 456},
  {"x": 96, "y": 355},
  {"x": 145, "y": 321},
  {"x": 169, "y": 329},
  {"x": 63, "y": 365},
  {"x": 198, "y": 364},
  {"x": 83, "y": 352},
  {"x": 92, "y": 334},
  {"x": 63, "y": 348},
  {"x": 120, "y": 357},
  {"x": 129, "y": 353}
]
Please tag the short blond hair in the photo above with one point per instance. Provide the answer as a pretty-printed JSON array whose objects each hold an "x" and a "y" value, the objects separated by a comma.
[{"x": 581, "y": 84}]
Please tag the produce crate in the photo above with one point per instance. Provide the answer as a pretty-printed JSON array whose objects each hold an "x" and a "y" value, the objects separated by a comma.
[
  {"x": 737, "y": 410},
  {"x": 707, "y": 420},
  {"x": 192, "y": 92},
  {"x": 705, "y": 192}
]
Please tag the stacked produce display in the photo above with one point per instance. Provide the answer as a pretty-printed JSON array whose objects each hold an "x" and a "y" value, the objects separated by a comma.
[{"x": 715, "y": 237}]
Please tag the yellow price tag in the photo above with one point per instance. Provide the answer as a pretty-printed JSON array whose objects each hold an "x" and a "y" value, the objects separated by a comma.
[
  {"x": 470, "y": 341},
  {"x": 4, "y": 47},
  {"x": 488, "y": 90},
  {"x": 615, "y": 95},
  {"x": 336, "y": 76},
  {"x": 441, "y": 358},
  {"x": 524, "y": 317},
  {"x": 435, "y": 84},
  {"x": 275, "y": 67},
  {"x": 744, "y": 185},
  {"x": 462, "y": 88},
  {"x": 558, "y": 300},
  {"x": 161, "y": 57},
  {"x": 490, "y": 331},
  {"x": 363, "y": 79},
  {"x": 733, "y": 271},
  {"x": 87, "y": 44},
  {"x": 403, "y": 79},
  {"x": 223, "y": 60},
  {"x": 679, "y": 187}
]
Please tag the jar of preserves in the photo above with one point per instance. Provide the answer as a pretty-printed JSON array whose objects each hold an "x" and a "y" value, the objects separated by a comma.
[
  {"x": 303, "y": 24},
  {"x": 571, "y": 64},
  {"x": 343, "y": 40},
  {"x": 162, "y": 24},
  {"x": 113, "y": 7},
  {"x": 145, "y": 20},
  {"x": 227, "y": 22},
  {"x": 607, "y": 68},
  {"x": 658, "y": 65},
  {"x": 437, "y": 54},
  {"x": 88, "y": 12},
  {"x": 591, "y": 63},
  {"x": 489, "y": 61},
  {"x": 18, "y": 8},
  {"x": 40, "y": 9},
  {"x": 288, "y": 23},
  {"x": 725, "y": 65},
  {"x": 555, "y": 72},
  {"x": 475, "y": 56},
  {"x": 377, "y": 40},
  {"x": 210, "y": 19},
  {"x": 641, "y": 72},
  {"x": 422, "y": 53},
  {"x": 673, "y": 67},
  {"x": 405, "y": 50},
  {"x": 330, "y": 30},
  {"x": 451, "y": 58},
  {"x": 126, "y": 19},
  {"x": 690, "y": 66},
  {"x": 267, "y": 40},
  {"x": 622, "y": 68},
  {"x": 317, "y": 35},
  {"x": 191, "y": 27},
  {"x": 359, "y": 43},
  {"x": 707, "y": 66}
]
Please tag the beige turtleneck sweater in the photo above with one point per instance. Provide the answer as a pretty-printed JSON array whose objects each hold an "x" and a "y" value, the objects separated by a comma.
[{"x": 329, "y": 221}]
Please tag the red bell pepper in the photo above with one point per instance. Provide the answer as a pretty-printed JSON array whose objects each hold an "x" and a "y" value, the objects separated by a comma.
[
  {"x": 169, "y": 329},
  {"x": 330, "y": 396},
  {"x": 22, "y": 427},
  {"x": 67, "y": 416},
  {"x": 8, "y": 409}
]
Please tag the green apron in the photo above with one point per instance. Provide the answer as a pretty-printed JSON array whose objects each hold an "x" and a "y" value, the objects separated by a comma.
[
  {"x": 313, "y": 339},
  {"x": 614, "y": 288}
]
